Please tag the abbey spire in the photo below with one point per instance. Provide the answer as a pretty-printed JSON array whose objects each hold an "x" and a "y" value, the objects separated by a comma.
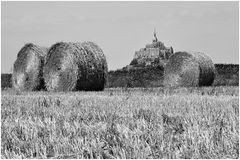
[{"x": 155, "y": 36}]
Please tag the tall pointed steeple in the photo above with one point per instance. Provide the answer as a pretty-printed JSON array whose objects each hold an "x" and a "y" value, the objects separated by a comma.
[{"x": 155, "y": 36}]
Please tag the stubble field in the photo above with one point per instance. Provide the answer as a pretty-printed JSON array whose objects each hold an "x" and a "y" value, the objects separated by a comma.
[{"x": 121, "y": 123}]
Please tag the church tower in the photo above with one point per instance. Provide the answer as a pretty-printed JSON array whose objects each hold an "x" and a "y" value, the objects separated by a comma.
[{"x": 155, "y": 36}]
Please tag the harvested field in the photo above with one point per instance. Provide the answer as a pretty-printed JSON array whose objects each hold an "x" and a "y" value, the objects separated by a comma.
[{"x": 117, "y": 123}]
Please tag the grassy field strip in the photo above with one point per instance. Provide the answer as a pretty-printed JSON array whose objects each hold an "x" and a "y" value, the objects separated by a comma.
[
  {"x": 124, "y": 124},
  {"x": 211, "y": 91}
]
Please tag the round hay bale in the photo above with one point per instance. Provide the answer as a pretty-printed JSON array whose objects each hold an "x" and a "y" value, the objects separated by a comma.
[
  {"x": 28, "y": 68},
  {"x": 189, "y": 69},
  {"x": 75, "y": 66}
]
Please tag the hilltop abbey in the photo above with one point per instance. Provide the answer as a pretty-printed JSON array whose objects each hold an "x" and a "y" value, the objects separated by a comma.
[{"x": 153, "y": 54}]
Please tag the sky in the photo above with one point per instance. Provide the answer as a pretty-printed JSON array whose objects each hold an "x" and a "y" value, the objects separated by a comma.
[{"x": 121, "y": 28}]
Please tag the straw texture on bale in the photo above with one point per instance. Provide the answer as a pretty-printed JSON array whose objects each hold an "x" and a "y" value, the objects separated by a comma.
[
  {"x": 189, "y": 69},
  {"x": 28, "y": 68},
  {"x": 75, "y": 66}
]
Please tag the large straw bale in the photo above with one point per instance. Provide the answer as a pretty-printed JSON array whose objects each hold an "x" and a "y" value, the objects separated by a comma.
[
  {"x": 189, "y": 69},
  {"x": 28, "y": 68},
  {"x": 75, "y": 66}
]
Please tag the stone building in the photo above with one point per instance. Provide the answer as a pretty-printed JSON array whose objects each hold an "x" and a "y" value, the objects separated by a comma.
[{"x": 153, "y": 54}]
